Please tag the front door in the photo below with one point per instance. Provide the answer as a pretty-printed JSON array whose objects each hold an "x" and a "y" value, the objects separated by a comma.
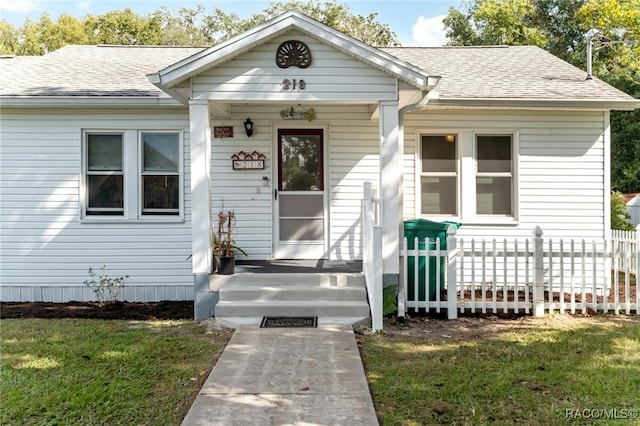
[{"x": 300, "y": 228}]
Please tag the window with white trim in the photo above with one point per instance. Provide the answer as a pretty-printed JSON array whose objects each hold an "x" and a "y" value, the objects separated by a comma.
[
  {"x": 468, "y": 176},
  {"x": 160, "y": 177},
  {"x": 494, "y": 175},
  {"x": 439, "y": 175},
  {"x": 105, "y": 174},
  {"x": 132, "y": 174}
]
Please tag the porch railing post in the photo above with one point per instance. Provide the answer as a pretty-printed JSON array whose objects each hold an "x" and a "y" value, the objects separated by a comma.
[
  {"x": 366, "y": 207},
  {"x": 376, "y": 260},
  {"x": 538, "y": 274},
  {"x": 452, "y": 273}
]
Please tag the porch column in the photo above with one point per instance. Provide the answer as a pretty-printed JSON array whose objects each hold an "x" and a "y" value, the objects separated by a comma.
[
  {"x": 200, "y": 138},
  {"x": 390, "y": 190}
]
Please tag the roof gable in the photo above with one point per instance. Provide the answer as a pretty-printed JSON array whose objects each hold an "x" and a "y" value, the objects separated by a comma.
[{"x": 235, "y": 46}]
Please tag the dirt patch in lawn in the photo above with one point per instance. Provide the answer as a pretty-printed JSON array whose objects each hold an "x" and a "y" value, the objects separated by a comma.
[
  {"x": 473, "y": 328},
  {"x": 110, "y": 311}
]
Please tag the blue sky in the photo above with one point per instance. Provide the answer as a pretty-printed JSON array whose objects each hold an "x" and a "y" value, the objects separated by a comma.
[{"x": 416, "y": 22}]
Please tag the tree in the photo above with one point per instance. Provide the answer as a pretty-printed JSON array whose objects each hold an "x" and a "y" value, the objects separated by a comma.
[
  {"x": 186, "y": 27},
  {"x": 123, "y": 27},
  {"x": 491, "y": 22},
  {"x": 8, "y": 38},
  {"x": 337, "y": 16},
  {"x": 196, "y": 26}
]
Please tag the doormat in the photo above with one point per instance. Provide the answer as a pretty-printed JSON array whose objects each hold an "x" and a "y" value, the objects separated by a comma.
[{"x": 302, "y": 322}]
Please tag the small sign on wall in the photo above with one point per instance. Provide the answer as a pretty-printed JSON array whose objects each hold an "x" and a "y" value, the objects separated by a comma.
[
  {"x": 248, "y": 161},
  {"x": 223, "y": 132}
]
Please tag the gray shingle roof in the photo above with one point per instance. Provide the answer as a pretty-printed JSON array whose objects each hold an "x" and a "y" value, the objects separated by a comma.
[
  {"x": 505, "y": 72},
  {"x": 466, "y": 72},
  {"x": 88, "y": 71}
]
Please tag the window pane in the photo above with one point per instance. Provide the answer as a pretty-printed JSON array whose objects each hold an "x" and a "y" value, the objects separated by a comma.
[
  {"x": 104, "y": 152},
  {"x": 301, "y": 163},
  {"x": 439, "y": 195},
  {"x": 161, "y": 151},
  {"x": 494, "y": 195},
  {"x": 438, "y": 155},
  {"x": 161, "y": 192},
  {"x": 105, "y": 191},
  {"x": 494, "y": 154}
]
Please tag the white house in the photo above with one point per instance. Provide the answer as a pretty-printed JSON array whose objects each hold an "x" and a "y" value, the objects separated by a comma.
[{"x": 123, "y": 155}]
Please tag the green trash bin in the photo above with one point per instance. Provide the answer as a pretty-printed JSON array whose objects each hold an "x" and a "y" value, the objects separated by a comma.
[{"x": 422, "y": 229}]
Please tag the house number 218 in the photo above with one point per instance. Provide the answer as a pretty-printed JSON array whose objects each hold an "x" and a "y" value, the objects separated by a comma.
[{"x": 293, "y": 84}]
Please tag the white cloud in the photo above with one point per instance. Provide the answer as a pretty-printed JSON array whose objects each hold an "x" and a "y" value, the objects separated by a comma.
[
  {"x": 84, "y": 5},
  {"x": 429, "y": 31},
  {"x": 18, "y": 5}
]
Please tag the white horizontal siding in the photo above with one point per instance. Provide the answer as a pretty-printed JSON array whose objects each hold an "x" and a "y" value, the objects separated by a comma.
[
  {"x": 561, "y": 178},
  {"x": 46, "y": 250},
  {"x": 332, "y": 76}
]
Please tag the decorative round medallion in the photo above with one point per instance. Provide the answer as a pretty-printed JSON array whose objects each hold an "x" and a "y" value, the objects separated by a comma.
[{"x": 293, "y": 53}]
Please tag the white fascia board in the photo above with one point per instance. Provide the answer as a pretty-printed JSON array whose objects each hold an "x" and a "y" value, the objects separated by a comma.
[
  {"x": 369, "y": 55},
  {"x": 261, "y": 34},
  {"x": 86, "y": 101},
  {"x": 538, "y": 104}
]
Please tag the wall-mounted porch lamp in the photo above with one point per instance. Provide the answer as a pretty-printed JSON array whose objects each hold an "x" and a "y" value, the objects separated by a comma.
[{"x": 248, "y": 127}]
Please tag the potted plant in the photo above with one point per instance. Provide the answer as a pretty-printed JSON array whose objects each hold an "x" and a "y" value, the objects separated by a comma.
[{"x": 224, "y": 249}]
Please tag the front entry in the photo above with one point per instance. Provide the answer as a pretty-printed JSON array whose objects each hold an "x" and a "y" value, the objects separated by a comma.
[{"x": 300, "y": 196}]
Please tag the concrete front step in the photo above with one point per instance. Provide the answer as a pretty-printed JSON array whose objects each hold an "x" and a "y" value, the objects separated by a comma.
[
  {"x": 334, "y": 298},
  {"x": 292, "y": 292}
]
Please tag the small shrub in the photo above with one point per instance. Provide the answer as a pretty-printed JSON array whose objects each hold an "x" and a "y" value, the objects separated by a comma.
[
  {"x": 390, "y": 300},
  {"x": 620, "y": 217},
  {"x": 106, "y": 288}
]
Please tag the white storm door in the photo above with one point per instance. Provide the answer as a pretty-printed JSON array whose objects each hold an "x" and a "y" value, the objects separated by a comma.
[{"x": 300, "y": 228}]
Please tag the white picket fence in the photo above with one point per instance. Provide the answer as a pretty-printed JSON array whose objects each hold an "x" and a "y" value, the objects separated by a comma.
[
  {"x": 510, "y": 276},
  {"x": 521, "y": 276}
]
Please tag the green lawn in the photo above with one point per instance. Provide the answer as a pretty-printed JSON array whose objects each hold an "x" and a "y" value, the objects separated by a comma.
[
  {"x": 93, "y": 372},
  {"x": 530, "y": 375}
]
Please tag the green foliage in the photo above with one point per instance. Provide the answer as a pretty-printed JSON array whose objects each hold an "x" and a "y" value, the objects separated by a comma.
[
  {"x": 8, "y": 38},
  {"x": 390, "y": 300},
  {"x": 620, "y": 217},
  {"x": 105, "y": 288},
  {"x": 184, "y": 27},
  {"x": 491, "y": 22},
  {"x": 123, "y": 27}
]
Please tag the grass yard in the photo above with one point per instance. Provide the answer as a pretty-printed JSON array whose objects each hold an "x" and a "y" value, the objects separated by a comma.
[
  {"x": 548, "y": 371},
  {"x": 95, "y": 372}
]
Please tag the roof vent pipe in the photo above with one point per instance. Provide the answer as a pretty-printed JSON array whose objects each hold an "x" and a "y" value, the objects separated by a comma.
[{"x": 590, "y": 35}]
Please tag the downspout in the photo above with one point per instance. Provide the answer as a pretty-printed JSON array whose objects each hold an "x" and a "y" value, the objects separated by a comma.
[{"x": 428, "y": 95}]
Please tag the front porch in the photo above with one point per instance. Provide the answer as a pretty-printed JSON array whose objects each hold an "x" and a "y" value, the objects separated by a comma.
[{"x": 333, "y": 291}]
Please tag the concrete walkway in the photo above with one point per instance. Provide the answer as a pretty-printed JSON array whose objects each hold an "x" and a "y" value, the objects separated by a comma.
[{"x": 286, "y": 376}]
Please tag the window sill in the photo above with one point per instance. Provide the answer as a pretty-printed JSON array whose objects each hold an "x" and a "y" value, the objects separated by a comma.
[
  {"x": 492, "y": 221},
  {"x": 476, "y": 221},
  {"x": 112, "y": 220}
]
